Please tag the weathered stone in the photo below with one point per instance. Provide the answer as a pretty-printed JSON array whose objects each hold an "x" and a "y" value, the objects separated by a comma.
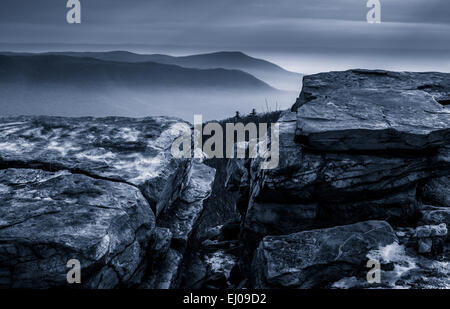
[
  {"x": 237, "y": 178},
  {"x": 135, "y": 151},
  {"x": 360, "y": 110},
  {"x": 182, "y": 216},
  {"x": 315, "y": 258},
  {"x": 425, "y": 245},
  {"x": 408, "y": 270},
  {"x": 310, "y": 189},
  {"x": 277, "y": 219},
  {"x": 305, "y": 177},
  {"x": 426, "y": 231},
  {"x": 435, "y": 215},
  {"x": 50, "y": 218},
  {"x": 180, "y": 219},
  {"x": 220, "y": 263},
  {"x": 430, "y": 239},
  {"x": 436, "y": 192},
  {"x": 238, "y": 181}
]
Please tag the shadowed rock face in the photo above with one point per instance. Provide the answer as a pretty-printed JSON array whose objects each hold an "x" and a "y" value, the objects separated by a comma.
[
  {"x": 180, "y": 219},
  {"x": 361, "y": 145},
  {"x": 108, "y": 192},
  {"x": 314, "y": 189},
  {"x": 374, "y": 110},
  {"x": 436, "y": 192}
]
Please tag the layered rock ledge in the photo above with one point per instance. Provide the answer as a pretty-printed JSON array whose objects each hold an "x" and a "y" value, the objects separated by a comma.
[
  {"x": 358, "y": 145},
  {"x": 106, "y": 192},
  {"x": 365, "y": 110}
]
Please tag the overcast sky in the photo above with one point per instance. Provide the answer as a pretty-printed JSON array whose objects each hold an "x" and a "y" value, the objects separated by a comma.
[{"x": 302, "y": 35}]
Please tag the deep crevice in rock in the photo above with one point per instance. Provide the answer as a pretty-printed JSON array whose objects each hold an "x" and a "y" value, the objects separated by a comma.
[{"x": 444, "y": 102}]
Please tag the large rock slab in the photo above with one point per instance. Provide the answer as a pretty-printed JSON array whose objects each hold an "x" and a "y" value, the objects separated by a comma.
[
  {"x": 135, "y": 151},
  {"x": 311, "y": 189},
  {"x": 361, "y": 110},
  {"x": 305, "y": 176},
  {"x": 315, "y": 258},
  {"x": 47, "y": 219}
]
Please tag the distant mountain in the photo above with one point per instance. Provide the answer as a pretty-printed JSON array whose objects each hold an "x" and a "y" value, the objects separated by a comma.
[
  {"x": 266, "y": 71},
  {"x": 79, "y": 86},
  {"x": 90, "y": 71}
]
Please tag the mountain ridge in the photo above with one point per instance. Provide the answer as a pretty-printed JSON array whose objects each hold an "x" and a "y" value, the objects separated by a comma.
[
  {"x": 50, "y": 67},
  {"x": 266, "y": 71},
  {"x": 61, "y": 85}
]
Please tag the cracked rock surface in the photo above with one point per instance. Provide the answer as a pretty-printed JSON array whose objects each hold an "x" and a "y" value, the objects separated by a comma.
[
  {"x": 374, "y": 110},
  {"x": 49, "y": 218},
  {"x": 91, "y": 189},
  {"x": 311, "y": 259},
  {"x": 135, "y": 151}
]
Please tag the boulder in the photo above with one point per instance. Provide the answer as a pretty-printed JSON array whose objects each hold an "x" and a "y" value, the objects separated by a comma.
[
  {"x": 49, "y": 218},
  {"x": 313, "y": 259},
  {"x": 362, "y": 110},
  {"x": 85, "y": 188},
  {"x": 304, "y": 176},
  {"x": 312, "y": 189},
  {"x": 134, "y": 151}
]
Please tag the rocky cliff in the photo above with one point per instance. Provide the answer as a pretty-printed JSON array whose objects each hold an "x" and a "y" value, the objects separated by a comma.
[
  {"x": 363, "y": 176},
  {"x": 357, "y": 146},
  {"x": 106, "y": 192}
]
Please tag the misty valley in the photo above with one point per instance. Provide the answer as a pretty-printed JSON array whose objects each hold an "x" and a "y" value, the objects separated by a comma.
[{"x": 126, "y": 84}]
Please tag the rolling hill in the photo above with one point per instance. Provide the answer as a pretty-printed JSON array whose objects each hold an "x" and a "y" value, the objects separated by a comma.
[
  {"x": 266, "y": 71},
  {"x": 79, "y": 86}
]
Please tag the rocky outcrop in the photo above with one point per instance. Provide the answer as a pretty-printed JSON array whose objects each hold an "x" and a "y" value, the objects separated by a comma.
[
  {"x": 316, "y": 258},
  {"x": 436, "y": 191},
  {"x": 363, "y": 175},
  {"x": 315, "y": 189},
  {"x": 361, "y": 110},
  {"x": 432, "y": 215},
  {"x": 361, "y": 145},
  {"x": 134, "y": 151},
  {"x": 50, "y": 218},
  {"x": 106, "y": 192}
]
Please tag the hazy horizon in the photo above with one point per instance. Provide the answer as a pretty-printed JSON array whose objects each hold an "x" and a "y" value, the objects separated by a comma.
[
  {"x": 307, "y": 61},
  {"x": 304, "y": 36}
]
